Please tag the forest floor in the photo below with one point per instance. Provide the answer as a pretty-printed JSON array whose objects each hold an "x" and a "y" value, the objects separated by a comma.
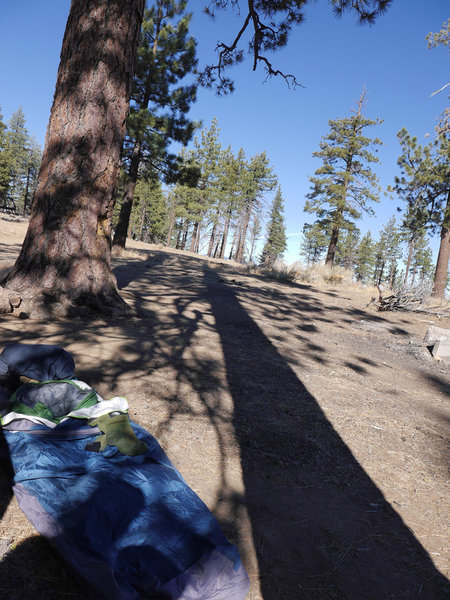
[{"x": 314, "y": 427}]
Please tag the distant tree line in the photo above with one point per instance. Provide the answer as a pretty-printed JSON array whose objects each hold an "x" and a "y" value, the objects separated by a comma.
[
  {"x": 219, "y": 211},
  {"x": 390, "y": 260}
]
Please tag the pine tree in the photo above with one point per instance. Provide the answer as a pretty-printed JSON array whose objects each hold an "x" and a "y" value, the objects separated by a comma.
[
  {"x": 388, "y": 253},
  {"x": 413, "y": 229},
  {"x": 5, "y": 164},
  {"x": 257, "y": 179},
  {"x": 149, "y": 216},
  {"x": 255, "y": 234},
  {"x": 33, "y": 163},
  {"x": 231, "y": 187},
  {"x": 424, "y": 184},
  {"x": 65, "y": 257},
  {"x": 365, "y": 258},
  {"x": 314, "y": 242},
  {"x": 159, "y": 103},
  {"x": 18, "y": 141},
  {"x": 422, "y": 259},
  {"x": 276, "y": 233},
  {"x": 345, "y": 183},
  {"x": 206, "y": 157},
  {"x": 346, "y": 248}
]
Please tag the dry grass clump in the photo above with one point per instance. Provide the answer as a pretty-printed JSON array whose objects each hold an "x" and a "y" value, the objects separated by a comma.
[
  {"x": 314, "y": 274},
  {"x": 321, "y": 274}
]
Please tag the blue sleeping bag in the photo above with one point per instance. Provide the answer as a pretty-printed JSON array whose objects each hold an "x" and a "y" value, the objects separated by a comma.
[{"x": 129, "y": 526}]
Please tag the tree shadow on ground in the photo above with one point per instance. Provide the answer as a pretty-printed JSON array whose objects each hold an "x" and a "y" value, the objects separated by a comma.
[
  {"x": 321, "y": 527},
  {"x": 45, "y": 574}
]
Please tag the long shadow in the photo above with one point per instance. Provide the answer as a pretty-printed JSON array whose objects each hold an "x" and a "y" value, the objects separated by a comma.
[{"x": 321, "y": 528}]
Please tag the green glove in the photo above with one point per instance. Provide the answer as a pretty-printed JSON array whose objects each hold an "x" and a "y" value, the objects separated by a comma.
[{"x": 117, "y": 432}]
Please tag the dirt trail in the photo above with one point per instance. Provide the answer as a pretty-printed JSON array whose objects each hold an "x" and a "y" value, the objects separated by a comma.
[{"x": 315, "y": 429}]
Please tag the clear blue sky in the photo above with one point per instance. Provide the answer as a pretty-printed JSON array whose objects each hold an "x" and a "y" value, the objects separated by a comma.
[{"x": 333, "y": 58}]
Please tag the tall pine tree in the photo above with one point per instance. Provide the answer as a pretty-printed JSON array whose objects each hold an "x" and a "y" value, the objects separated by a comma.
[
  {"x": 365, "y": 258},
  {"x": 388, "y": 253},
  {"x": 18, "y": 140},
  {"x": 346, "y": 248},
  {"x": 65, "y": 257},
  {"x": 258, "y": 178},
  {"x": 5, "y": 164},
  {"x": 276, "y": 233},
  {"x": 424, "y": 184},
  {"x": 314, "y": 242},
  {"x": 159, "y": 102},
  {"x": 345, "y": 184}
]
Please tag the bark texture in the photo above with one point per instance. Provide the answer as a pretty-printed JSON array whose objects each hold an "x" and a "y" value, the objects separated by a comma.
[{"x": 65, "y": 258}]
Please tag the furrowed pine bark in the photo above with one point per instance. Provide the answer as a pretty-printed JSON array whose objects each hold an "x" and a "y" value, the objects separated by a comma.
[{"x": 65, "y": 258}]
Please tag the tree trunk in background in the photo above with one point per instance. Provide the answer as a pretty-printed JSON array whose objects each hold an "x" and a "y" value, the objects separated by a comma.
[
  {"x": 197, "y": 241},
  {"x": 120, "y": 235},
  {"x": 233, "y": 244},
  {"x": 225, "y": 236},
  {"x": 242, "y": 236},
  {"x": 408, "y": 264},
  {"x": 185, "y": 235},
  {"x": 252, "y": 249},
  {"x": 65, "y": 258},
  {"x": 194, "y": 237},
  {"x": 332, "y": 247},
  {"x": 142, "y": 223},
  {"x": 172, "y": 223},
  {"x": 380, "y": 275},
  {"x": 213, "y": 236},
  {"x": 180, "y": 233},
  {"x": 441, "y": 273},
  {"x": 27, "y": 193}
]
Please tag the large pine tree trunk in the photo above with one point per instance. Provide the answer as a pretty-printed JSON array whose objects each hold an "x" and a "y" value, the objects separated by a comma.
[
  {"x": 441, "y": 273},
  {"x": 65, "y": 258}
]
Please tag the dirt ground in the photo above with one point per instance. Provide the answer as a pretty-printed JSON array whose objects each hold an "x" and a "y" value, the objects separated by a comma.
[{"x": 313, "y": 427}]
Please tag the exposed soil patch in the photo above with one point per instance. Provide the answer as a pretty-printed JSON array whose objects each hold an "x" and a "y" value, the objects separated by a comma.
[{"x": 314, "y": 428}]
